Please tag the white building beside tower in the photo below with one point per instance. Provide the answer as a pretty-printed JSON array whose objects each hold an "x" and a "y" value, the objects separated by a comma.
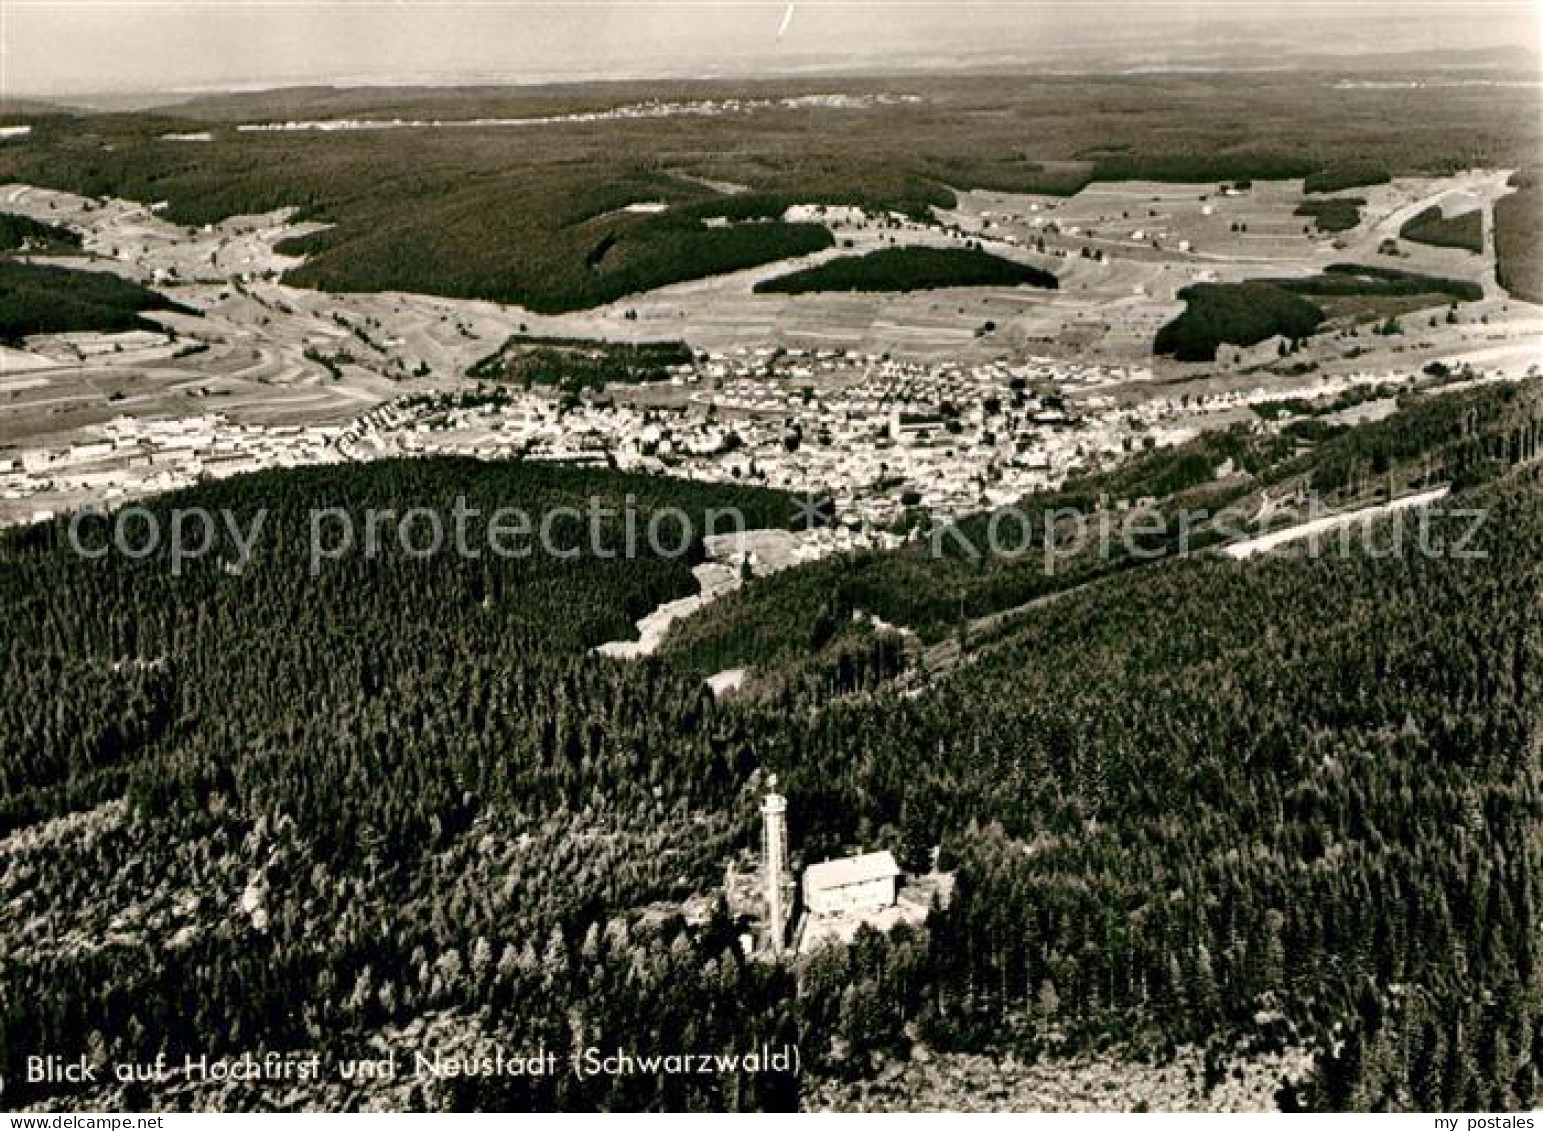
[{"x": 853, "y": 884}]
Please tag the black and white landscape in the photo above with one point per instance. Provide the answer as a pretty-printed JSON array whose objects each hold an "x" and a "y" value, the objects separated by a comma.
[{"x": 808, "y": 556}]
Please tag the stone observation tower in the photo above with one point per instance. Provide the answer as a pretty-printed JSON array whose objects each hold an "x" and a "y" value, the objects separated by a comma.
[{"x": 774, "y": 863}]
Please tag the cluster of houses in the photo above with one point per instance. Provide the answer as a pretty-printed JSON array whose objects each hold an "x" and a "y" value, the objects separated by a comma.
[
  {"x": 883, "y": 437},
  {"x": 651, "y": 108},
  {"x": 130, "y": 457},
  {"x": 887, "y": 440}
]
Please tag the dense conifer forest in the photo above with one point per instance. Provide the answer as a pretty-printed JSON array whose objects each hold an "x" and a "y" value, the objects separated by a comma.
[
  {"x": 1346, "y": 175},
  {"x": 576, "y": 364},
  {"x": 1279, "y": 802},
  {"x": 20, "y": 233},
  {"x": 1465, "y": 230},
  {"x": 1247, "y": 313},
  {"x": 909, "y": 269},
  {"x": 1519, "y": 237},
  {"x": 39, "y": 298},
  {"x": 1337, "y": 214}
]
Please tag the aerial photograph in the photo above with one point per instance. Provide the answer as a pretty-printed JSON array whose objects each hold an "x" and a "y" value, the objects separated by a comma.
[{"x": 908, "y": 556}]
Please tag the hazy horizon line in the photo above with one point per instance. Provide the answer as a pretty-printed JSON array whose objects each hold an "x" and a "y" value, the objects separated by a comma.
[
  {"x": 85, "y": 51},
  {"x": 982, "y": 64}
]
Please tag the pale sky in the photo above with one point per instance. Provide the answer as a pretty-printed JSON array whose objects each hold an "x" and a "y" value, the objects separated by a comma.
[{"x": 54, "y": 48}]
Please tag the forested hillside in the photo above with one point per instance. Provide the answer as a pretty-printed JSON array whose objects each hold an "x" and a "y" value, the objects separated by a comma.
[
  {"x": 1465, "y": 230},
  {"x": 19, "y": 233},
  {"x": 536, "y": 214},
  {"x": 1049, "y": 543},
  {"x": 909, "y": 269},
  {"x": 1191, "y": 800},
  {"x": 396, "y": 787},
  {"x": 1519, "y": 264},
  {"x": 1239, "y": 804},
  {"x": 37, "y": 298},
  {"x": 1244, "y": 314}
]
